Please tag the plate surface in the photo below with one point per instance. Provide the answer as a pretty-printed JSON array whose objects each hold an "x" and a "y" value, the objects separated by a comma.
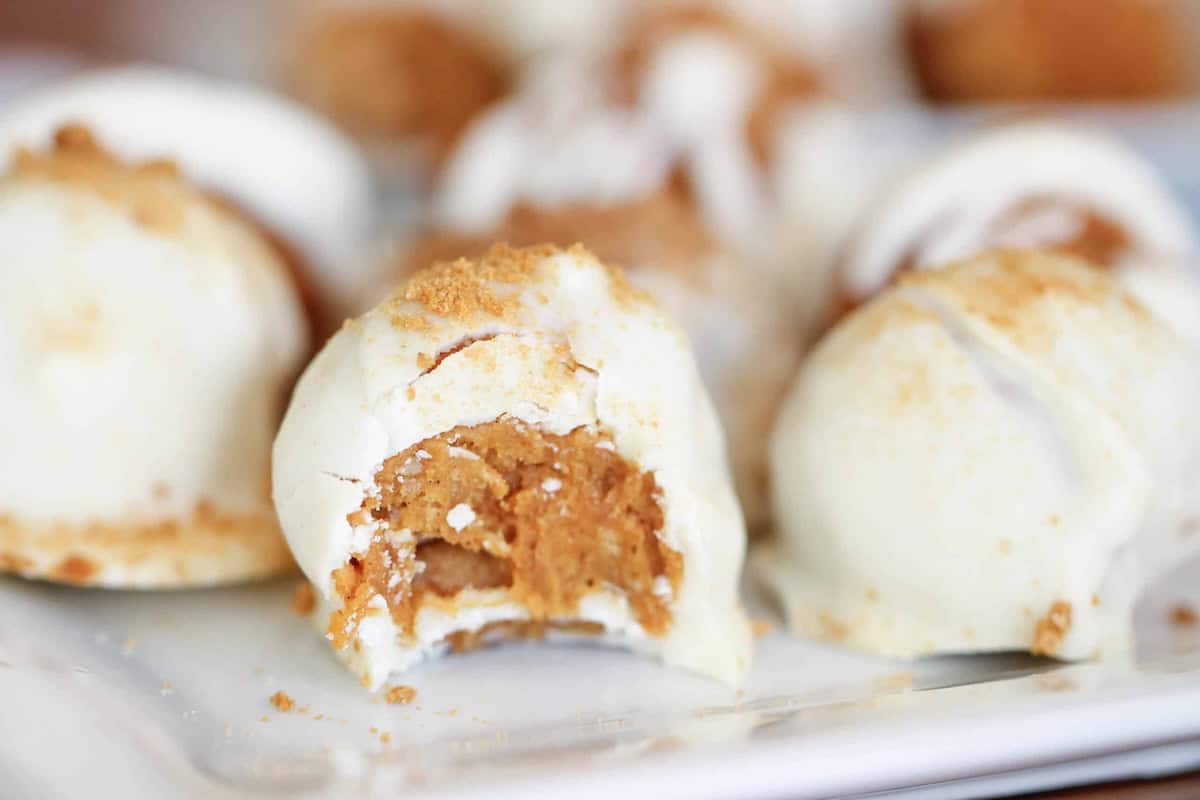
[{"x": 161, "y": 694}]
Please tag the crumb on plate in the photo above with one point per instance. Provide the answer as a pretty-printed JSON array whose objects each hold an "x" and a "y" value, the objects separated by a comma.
[{"x": 282, "y": 701}]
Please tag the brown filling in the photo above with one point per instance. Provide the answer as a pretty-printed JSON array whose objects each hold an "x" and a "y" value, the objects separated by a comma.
[
  {"x": 1098, "y": 240},
  {"x": 393, "y": 73},
  {"x": 551, "y": 518},
  {"x": 661, "y": 230},
  {"x": 1049, "y": 50}
]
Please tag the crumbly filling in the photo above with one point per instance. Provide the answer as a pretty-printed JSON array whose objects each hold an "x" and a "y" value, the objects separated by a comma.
[
  {"x": 400, "y": 695},
  {"x": 503, "y": 505}
]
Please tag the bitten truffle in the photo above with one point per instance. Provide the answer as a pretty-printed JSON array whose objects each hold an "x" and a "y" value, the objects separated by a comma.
[{"x": 511, "y": 445}]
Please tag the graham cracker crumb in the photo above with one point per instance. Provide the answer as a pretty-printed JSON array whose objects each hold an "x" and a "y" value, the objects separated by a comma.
[
  {"x": 465, "y": 289},
  {"x": 282, "y": 701},
  {"x": 625, "y": 293},
  {"x": 760, "y": 627},
  {"x": 1183, "y": 616},
  {"x": 75, "y": 569},
  {"x": 151, "y": 192},
  {"x": 400, "y": 695},
  {"x": 11, "y": 562},
  {"x": 385, "y": 737},
  {"x": 417, "y": 323},
  {"x": 304, "y": 600},
  {"x": 1051, "y": 629}
]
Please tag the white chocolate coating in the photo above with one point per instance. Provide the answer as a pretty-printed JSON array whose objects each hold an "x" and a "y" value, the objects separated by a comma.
[
  {"x": 288, "y": 167},
  {"x": 976, "y": 445},
  {"x": 365, "y": 398},
  {"x": 142, "y": 373},
  {"x": 556, "y": 141},
  {"x": 947, "y": 208}
]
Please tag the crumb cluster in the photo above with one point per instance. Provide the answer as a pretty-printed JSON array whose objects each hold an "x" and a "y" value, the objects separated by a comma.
[
  {"x": 152, "y": 192},
  {"x": 1051, "y": 629},
  {"x": 400, "y": 695},
  {"x": 466, "y": 289},
  {"x": 282, "y": 701}
]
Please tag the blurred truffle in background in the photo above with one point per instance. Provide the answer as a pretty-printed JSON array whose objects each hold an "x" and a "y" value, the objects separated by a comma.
[
  {"x": 1005, "y": 50},
  {"x": 306, "y": 186},
  {"x": 150, "y": 337},
  {"x": 406, "y": 75}
]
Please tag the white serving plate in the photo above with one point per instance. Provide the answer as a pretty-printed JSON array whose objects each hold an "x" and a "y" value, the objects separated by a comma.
[{"x": 158, "y": 695}]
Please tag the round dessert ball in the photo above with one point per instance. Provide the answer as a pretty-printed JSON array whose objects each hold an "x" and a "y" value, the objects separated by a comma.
[
  {"x": 404, "y": 76},
  {"x": 1031, "y": 185},
  {"x": 288, "y": 171},
  {"x": 995, "y": 455},
  {"x": 1008, "y": 50},
  {"x": 148, "y": 340},
  {"x": 513, "y": 445}
]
